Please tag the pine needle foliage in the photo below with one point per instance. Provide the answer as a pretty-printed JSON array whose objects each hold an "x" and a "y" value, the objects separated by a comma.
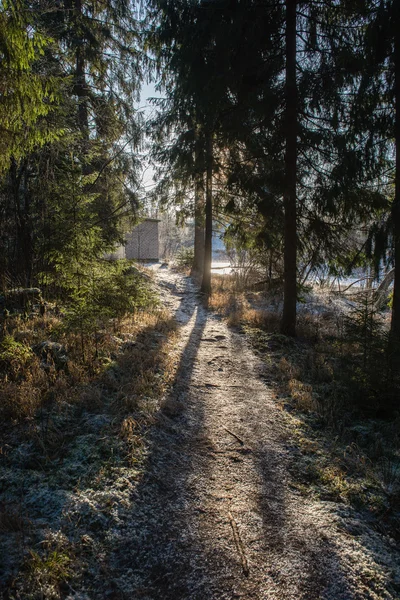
[
  {"x": 27, "y": 95},
  {"x": 366, "y": 364}
]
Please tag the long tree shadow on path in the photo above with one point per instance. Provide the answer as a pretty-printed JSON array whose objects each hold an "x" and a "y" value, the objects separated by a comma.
[
  {"x": 305, "y": 556},
  {"x": 154, "y": 556},
  {"x": 178, "y": 542}
]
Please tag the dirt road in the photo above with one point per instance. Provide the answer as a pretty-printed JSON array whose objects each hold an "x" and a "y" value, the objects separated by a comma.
[{"x": 216, "y": 516}]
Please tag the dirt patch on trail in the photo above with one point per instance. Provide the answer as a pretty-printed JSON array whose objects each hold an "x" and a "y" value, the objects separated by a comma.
[{"x": 216, "y": 515}]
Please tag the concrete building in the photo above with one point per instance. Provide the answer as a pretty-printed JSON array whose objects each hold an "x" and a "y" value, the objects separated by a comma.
[{"x": 142, "y": 243}]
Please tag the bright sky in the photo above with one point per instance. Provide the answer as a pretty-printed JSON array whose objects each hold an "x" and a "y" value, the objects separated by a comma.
[{"x": 148, "y": 91}]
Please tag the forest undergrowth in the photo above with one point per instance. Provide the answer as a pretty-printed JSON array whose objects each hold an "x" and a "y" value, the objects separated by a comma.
[
  {"x": 73, "y": 426},
  {"x": 75, "y": 423},
  {"x": 336, "y": 388}
]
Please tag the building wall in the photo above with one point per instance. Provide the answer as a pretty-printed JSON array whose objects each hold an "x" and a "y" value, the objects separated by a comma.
[
  {"x": 143, "y": 242},
  {"x": 119, "y": 253}
]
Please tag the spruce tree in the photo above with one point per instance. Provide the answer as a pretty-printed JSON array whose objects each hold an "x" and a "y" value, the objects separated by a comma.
[
  {"x": 95, "y": 56},
  {"x": 296, "y": 132},
  {"x": 375, "y": 119},
  {"x": 27, "y": 95}
]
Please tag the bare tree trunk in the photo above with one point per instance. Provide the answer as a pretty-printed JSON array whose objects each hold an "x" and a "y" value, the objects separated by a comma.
[
  {"x": 23, "y": 255},
  {"x": 382, "y": 291},
  {"x": 80, "y": 86},
  {"x": 206, "y": 281},
  {"x": 395, "y": 324},
  {"x": 288, "y": 324},
  {"x": 198, "y": 259}
]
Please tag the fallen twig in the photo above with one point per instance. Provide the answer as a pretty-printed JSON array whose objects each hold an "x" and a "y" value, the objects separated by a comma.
[
  {"x": 239, "y": 545},
  {"x": 239, "y": 439}
]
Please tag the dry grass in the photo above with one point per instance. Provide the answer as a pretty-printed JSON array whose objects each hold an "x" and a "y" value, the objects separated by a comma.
[
  {"x": 262, "y": 319},
  {"x": 28, "y": 383},
  {"x": 222, "y": 302},
  {"x": 301, "y": 394},
  {"x": 87, "y": 417},
  {"x": 288, "y": 369},
  {"x": 225, "y": 299},
  {"x": 131, "y": 434},
  {"x": 318, "y": 379},
  {"x": 146, "y": 367},
  {"x": 240, "y": 308}
]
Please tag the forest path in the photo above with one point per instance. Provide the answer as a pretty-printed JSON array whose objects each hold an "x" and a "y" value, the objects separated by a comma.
[{"x": 216, "y": 516}]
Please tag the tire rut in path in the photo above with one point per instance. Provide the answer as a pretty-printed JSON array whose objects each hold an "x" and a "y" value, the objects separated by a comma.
[{"x": 215, "y": 516}]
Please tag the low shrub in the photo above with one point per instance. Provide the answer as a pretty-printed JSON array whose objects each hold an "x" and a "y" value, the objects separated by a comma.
[{"x": 184, "y": 258}]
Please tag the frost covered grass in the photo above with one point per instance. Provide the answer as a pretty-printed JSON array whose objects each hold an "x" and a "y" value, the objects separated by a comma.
[
  {"x": 334, "y": 386},
  {"x": 73, "y": 442},
  {"x": 343, "y": 454}
]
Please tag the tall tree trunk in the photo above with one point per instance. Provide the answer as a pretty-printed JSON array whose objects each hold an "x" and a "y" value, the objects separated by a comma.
[
  {"x": 206, "y": 281},
  {"x": 395, "y": 324},
  {"x": 80, "y": 87},
  {"x": 27, "y": 251},
  {"x": 22, "y": 260},
  {"x": 198, "y": 259},
  {"x": 288, "y": 324}
]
